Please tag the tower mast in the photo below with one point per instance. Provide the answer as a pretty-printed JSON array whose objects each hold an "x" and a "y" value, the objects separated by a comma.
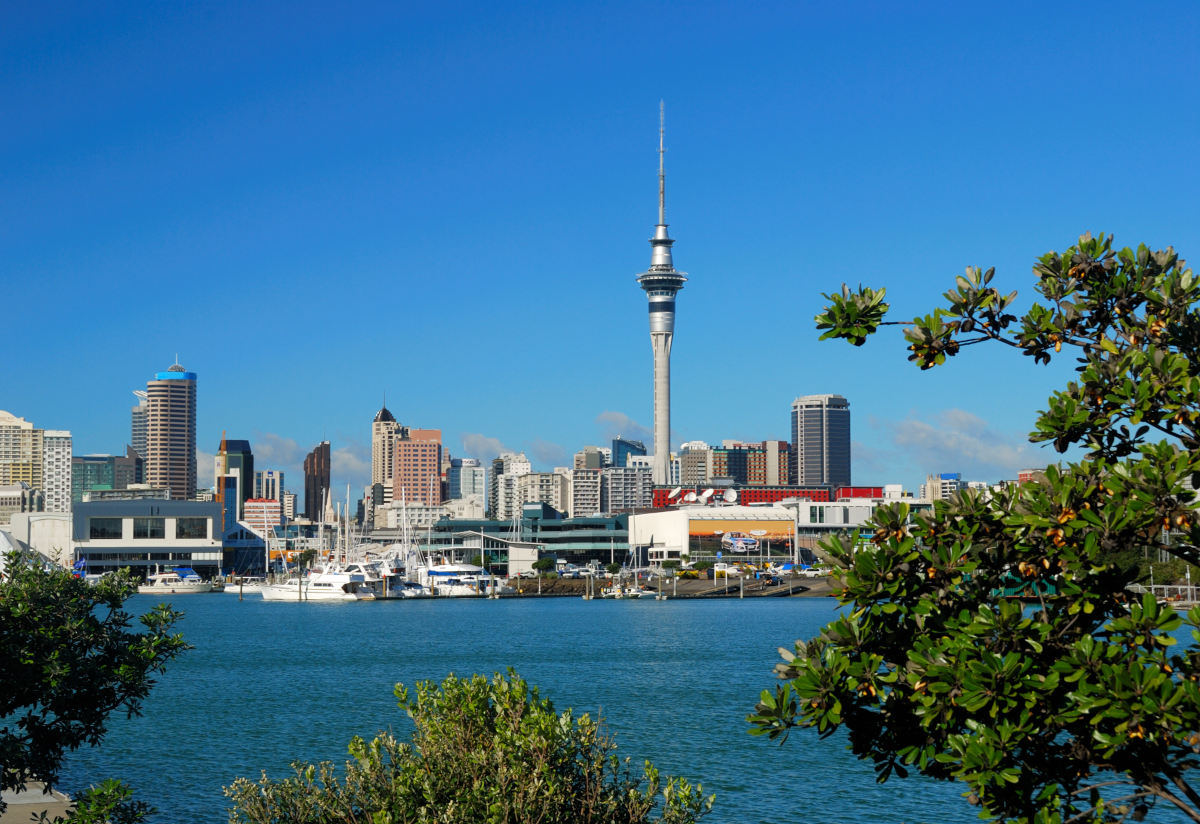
[{"x": 660, "y": 283}]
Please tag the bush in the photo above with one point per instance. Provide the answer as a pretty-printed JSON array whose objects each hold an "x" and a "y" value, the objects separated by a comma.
[{"x": 481, "y": 751}]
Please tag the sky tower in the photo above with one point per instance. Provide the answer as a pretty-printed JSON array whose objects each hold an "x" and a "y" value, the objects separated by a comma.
[{"x": 660, "y": 283}]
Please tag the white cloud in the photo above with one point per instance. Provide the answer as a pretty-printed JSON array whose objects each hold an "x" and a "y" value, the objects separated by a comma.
[
  {"x": 273, "y": 450},
  {"x": 206, "y": 477},
  {"x": 613, "y": 424},
  {"x": 550, "y": 454},
  {"x": 959, "y": 441},
  {"x": 483, "y": 447},
  {"x": 350, "y": 465}
]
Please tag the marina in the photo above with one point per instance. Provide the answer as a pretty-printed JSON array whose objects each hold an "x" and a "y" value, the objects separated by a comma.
[{"x": 673, "y": 679}]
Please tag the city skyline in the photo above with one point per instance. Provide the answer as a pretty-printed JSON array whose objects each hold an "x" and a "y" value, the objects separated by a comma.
[{"x": 296, "y": 210}]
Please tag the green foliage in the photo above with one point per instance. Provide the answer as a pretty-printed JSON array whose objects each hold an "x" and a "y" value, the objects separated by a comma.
[
  {"x": 1077, "y": 705},
  {"x": 546, "y": 564},
  {"x": 613, "y": 568},
  {"x": 482, "y": 751},
  {"x": 68, "y": 660}
]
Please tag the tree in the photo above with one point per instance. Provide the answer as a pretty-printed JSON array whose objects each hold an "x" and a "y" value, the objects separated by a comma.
[
  {"x": 613, "y": 568},
  {"x": 481, "y": 751},
  {"x": 68, "y": 660},
  {"x": 1075, "y": 704},
  {"x": 545, "y": 565}
]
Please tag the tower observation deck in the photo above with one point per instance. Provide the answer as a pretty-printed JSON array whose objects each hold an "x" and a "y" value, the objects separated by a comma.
[{"x": 660, "y": 283}]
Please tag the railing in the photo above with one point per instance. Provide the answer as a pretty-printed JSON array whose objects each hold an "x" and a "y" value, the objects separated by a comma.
[{"x": 1184, "y": 594}]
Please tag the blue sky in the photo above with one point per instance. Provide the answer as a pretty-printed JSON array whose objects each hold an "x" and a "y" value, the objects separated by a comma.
[{"x": 315, "y": 205}]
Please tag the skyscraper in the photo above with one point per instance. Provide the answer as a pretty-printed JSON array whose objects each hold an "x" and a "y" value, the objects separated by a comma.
[
  {"x": 418, "y": 474},
  {"x": 137, "y": 423},
  {"x": 622, "y": 448},
  {"x": 660, "y": 283},
  {"x": 171, "y": 432},
  {"x": 821, "y": 440},
  {"x": 235, "y": 458},
  {"x": 385, "y": 430},
  {"x": 316, "y": 480}
]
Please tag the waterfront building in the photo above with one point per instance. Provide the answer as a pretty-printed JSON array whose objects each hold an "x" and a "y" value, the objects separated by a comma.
[
  {"x": 624, "y": 448},
  {"x": 171, "y": 432},
  {"x": 48, "y": 533},
  {"x": 132, "y": 492},
  {"x": 580, "y": 540},
  {"x": 417, "y": 477},
  {"x": 661, "y": 282},
  {"x": 625, "y": 489},
  {"x": 316, "y": 481},
  {"x": 701, "y": 532},
  {"x": 146, "y": 535},
  {"x": 821, "y": 440},
  {"x": 385, "y": 431},
  {"x": 268, "y": 483},
  {"x": 139, "y": 423},
  {"x": 465, "y": 477},
  {"x": 502, "y": 488}
]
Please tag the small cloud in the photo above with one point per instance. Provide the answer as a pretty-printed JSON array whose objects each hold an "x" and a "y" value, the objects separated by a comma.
[
  {"x": 549, "y": 454},
  {"x": 483, "y": 447},
  {"x": 614, "y": 424},
  {"x": 206, "y": 470},
  {"x": 350, "y": 465},
  {"x": 273, "y": 450},
  {"x": 959, "y": 441}
]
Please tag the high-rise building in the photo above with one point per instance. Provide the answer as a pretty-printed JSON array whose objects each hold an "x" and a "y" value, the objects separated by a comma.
[
  {"x": 418, "y": 474},
  {"x": 551, "y": 488},
  {"x": 660, "y": 283},
  {"x": 316, "y": 481},
  {"x": 821, "y": 440},
  {"x": 20, "y": 452},
  {"x": 466, "y": 477},
  {"x": 235, "y": 458},
  {"x": 590, "y": 457},
  {"x": 40, "y": 458},
  {"x": 56, "y": 470},
  {"x": 171, "y": 432},
  {"x": 384, "y": 432},
  {"x": 138, "y": 422},
  {"x": 289, "y": 505},
  {"x": 625, "y": 488},
  {"x": 104, "y": 473},
  {"x": 502, "y": 485},
  {"x": 622, "y": 448},
  {"x": 585, "y": 492},
  {"x": 268, "y": 483}
]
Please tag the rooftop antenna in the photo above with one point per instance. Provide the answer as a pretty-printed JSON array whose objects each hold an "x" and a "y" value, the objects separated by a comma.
[{"x": 662, "y": 177}]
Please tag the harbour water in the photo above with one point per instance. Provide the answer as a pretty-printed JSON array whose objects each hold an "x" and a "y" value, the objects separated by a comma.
[{"x": 268, "y": 683}]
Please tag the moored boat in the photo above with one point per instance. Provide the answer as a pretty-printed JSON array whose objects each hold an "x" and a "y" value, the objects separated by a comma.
[{"x": 174, "y": 582}]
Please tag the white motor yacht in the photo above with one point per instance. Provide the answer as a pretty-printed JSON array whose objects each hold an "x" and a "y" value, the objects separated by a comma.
[
  {"x": 174, "y": 582},
  {"x": 328, "y": 585},
  {"x": 460, "y": 581}
]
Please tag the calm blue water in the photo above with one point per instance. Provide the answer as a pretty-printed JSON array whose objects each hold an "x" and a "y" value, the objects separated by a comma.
[{"x": 270, "y": 683}]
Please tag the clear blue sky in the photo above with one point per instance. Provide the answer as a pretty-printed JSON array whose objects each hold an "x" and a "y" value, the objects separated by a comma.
[{"x": 314, "y": 205}]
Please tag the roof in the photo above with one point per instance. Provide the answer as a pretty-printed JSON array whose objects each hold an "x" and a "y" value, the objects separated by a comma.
[{"x": 383, "y": 415}]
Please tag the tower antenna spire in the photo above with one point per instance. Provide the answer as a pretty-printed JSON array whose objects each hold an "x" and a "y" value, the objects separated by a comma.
[{"x": 662, "y": 177}]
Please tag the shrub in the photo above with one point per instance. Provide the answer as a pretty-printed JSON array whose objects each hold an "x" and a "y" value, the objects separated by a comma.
[{"x": 481, "y": 751}]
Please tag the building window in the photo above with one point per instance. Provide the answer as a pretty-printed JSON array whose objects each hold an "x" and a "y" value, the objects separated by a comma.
[
  {"x": 149, "y": 528},
  {"x": 191, "y": 528},
  {"x": 104, "y": 528}
]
